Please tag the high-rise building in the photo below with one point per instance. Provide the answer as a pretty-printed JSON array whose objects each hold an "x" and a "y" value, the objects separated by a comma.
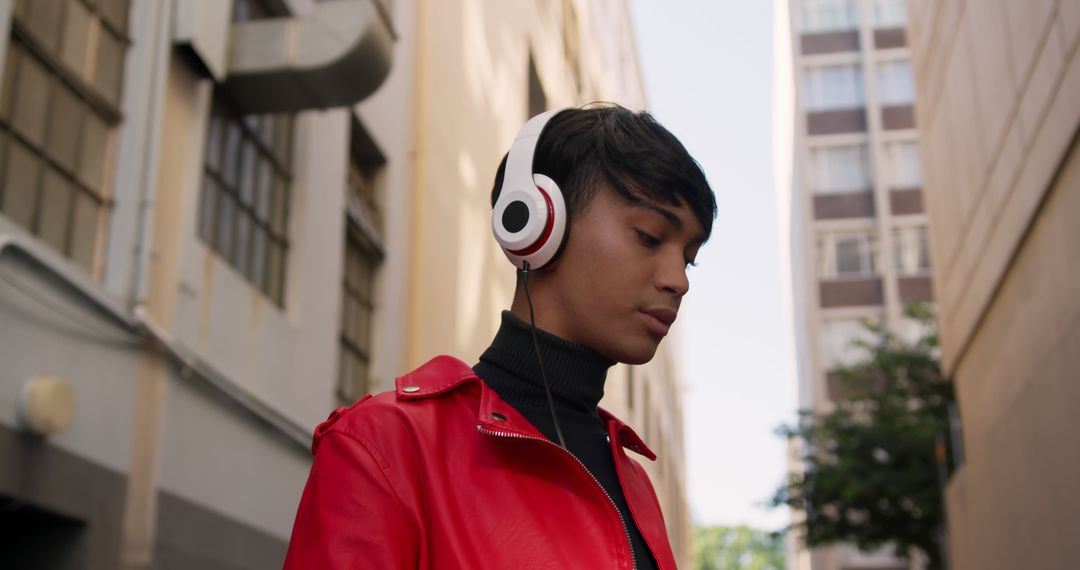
[
  {"x": 220, "y": 219},
  {"x": 999, "y": 110},
  {"x": 858, "y": 237}
]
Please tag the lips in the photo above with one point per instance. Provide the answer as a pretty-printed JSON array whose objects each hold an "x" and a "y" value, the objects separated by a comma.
[
  {"x": 658, "y": 320},
  {"x": 662, "y": 314}
]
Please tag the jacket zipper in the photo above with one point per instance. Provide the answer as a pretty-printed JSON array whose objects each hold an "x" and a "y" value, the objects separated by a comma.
[{"x": 626, "y": 531}]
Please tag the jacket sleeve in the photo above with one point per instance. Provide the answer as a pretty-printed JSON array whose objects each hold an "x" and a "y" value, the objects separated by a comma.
[{"x": 350, "y": 516}]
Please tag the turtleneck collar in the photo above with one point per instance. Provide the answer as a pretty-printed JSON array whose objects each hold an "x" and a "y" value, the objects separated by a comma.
[{"x": 575, "y": 373}]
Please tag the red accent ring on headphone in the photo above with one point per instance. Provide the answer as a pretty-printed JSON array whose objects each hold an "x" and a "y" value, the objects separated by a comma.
[{"x": 547, "y": 229}]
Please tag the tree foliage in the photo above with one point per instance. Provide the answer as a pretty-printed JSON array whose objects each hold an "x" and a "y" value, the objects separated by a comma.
[
  {"x": 737, "y": 548},
  {"x": 870, "y": 474}
]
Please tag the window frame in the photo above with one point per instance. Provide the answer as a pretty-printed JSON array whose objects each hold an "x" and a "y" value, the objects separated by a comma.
[
  {"x": 364, "y": 239},
  {"x": 820, "y": 91},
  {"x": 822, "y": 169},
  {"x": 829, "y": 243},
  {"x": 272, "y": 285},
  {"x": 87, "y": 200}
]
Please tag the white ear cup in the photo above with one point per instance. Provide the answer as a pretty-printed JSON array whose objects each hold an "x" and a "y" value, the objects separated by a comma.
[
  {"x": 550, "y": 228},
  {"x": 529, "y": 218}
]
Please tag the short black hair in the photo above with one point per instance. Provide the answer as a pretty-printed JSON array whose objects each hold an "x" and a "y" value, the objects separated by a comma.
[{"x": 630, "y": 152}]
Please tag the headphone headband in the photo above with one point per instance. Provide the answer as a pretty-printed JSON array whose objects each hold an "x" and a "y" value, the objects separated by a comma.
[
  {"x": 519, "y": 162},
  {"x": 529, "y": 218}
]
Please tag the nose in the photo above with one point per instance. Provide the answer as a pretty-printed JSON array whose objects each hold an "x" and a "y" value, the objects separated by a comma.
[{"x": 671, "y": 276}]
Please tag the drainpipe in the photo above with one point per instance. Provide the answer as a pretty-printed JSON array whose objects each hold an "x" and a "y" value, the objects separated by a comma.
[{"x": 148, "y": 180}]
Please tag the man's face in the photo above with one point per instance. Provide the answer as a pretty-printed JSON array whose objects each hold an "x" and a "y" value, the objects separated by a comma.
[{"x": 622, "y": 262}]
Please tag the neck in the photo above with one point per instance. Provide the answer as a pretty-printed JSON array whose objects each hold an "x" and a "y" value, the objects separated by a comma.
[{"x": 575, "y": 373}]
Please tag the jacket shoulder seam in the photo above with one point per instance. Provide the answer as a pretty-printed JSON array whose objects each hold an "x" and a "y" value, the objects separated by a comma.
[{"x": 380, "y": 460}]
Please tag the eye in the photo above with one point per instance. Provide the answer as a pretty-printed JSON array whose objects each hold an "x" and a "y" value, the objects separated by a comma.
[{"x": 647, "y": 240}]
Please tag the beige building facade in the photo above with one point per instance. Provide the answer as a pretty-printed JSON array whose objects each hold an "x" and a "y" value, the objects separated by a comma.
[
  {"x": 999, "y": 91},
  {"x": 203, "y": 250},
  {"x": 858, "y": 229}
]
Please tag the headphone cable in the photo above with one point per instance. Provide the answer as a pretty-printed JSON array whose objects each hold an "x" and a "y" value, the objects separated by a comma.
[{"x": 523, "y": 275}]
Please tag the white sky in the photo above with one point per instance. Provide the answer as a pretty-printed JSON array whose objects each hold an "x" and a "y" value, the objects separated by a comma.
[{"x": 708, "y": 75}]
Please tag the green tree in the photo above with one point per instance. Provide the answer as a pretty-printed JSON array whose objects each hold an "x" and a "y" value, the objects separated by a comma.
[
  {"x": 871, "y": 465},
  {"x": 737, "y": 548}
]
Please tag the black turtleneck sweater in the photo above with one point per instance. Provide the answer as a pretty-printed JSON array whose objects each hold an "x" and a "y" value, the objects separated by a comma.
[{"x": 576, "y": 376}]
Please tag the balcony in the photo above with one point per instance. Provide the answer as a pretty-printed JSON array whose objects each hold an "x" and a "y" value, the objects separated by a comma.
[
  {"x": 830, "y": 42},
  {"x": 844, "y": 205},
  {"x": 851, "y": 292},
  {"x": 905, "y": 201},
  {"x": 836, "y": 121}
]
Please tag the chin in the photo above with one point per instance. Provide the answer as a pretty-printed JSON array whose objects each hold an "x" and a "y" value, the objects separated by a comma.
[{"x": 637, "y": 354}]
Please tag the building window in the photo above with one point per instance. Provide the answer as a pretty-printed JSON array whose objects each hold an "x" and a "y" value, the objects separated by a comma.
[
  {"x": 904, "y": 167},
  {"x": 244, "y": 205},
  {"x": 912, "y": 250},
  {"x": 828, "y": 15},
  {"x": 895, "y": 84},
  {"x": 890, "y": 13},
  {"x": 830, "y": 87},
  {"x": 847, "y": 255},
  {"x": 840, "y": 169},
  {"x": 58, "y": 111},
  {"x": 363, "y": 255}
]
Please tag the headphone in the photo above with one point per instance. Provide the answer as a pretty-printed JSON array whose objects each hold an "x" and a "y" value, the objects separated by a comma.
[
  {"x": 529, "y": 222},
  {"x": 529, "y": 219}
]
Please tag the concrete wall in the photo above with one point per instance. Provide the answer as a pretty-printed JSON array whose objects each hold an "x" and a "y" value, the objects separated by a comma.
[
  {"x": 200, "y": 446},
  {"x": 1000, "y": 86}
]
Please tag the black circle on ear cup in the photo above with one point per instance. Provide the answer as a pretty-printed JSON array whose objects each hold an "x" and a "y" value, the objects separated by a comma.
[{"x": 515, "y": 216}]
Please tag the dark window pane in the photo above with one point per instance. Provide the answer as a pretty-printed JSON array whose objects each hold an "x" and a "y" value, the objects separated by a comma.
[
  {"x": 281, "y": 197},
  {"x": 230, "y": 158},
  {"x": 247, "y": 172},
  {"x": 359, "y": 378},
  {"x": 266, "y": 130},
  {"x": 226, "y": 213},
  {"x": 252, "y": 123},
  {"x": 55, "y": 210},
  {"x": 352, "y": 271},
  {"x": 20, "y": 184},
  {"x": 215, "y": 132},
  {"x": 348, "y": 316},
  {"x": 76, "y": 25},
  {"x": 263, "y": 190},
  {"x": 31, "y": 100},
  {"x": 363, "y": 326},
  {"x": 95, "y": 142},
  {"x": 42, "y": 17},
  {"x": 110, "y": 65},
  {"x": 14, "y": 53},
  {"x": 207, "y": 207},
  {"x": 848, "y": 256},
  {"x": 65, "y": 121},
  {"x": 84, "y": 230}
]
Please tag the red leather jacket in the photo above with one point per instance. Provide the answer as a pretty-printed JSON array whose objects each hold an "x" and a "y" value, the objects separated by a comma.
[{"x": 443, "y": 474}]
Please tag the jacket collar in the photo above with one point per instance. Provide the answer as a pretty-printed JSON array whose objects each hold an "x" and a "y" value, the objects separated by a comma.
[{"x": 446, "y": 373}]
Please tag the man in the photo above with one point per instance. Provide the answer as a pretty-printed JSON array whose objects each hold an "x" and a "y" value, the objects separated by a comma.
[{"x": 510, "y": 463}]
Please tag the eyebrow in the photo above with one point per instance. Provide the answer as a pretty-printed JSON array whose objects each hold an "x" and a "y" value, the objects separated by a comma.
[{"x": 670, "y": 217}]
